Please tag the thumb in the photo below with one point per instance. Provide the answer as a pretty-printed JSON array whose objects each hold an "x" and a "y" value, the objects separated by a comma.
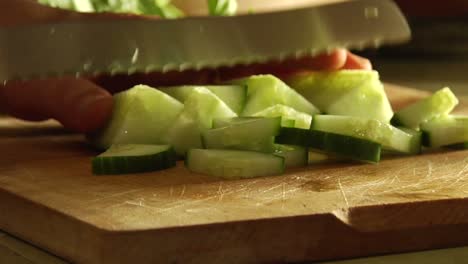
[{"x": 78, "y": 104}]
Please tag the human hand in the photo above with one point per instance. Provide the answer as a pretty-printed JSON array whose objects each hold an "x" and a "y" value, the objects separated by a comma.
[{"x": 84, "y": 105}]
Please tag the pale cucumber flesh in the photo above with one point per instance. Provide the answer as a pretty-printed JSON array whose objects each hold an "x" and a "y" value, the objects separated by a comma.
[
  {"x": 445, "y": 131},
  {"x": 440, "y": 103},
  {"x": 264, "y": 91},
  {"x": 287, "y": 114},
  {"x": 140, "y": 115},
  {"x": 201, "y": 108},
  {"x": 294, "y": 156},
  {"x": 233, "y": 95},
  {"x": 234, "y": 164},
  {"x": 255, "y": 135}
]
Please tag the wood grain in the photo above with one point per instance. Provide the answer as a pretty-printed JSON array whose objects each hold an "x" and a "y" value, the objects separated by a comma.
[{"x": 49, "y": 196}]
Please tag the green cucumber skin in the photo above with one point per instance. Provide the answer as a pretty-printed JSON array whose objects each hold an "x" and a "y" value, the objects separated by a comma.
[
  {"x": 460, "y": 146},
  {"x": 391, "y": 138},
  {"x": 134, "y": 164},
  {"x": 395, "y": 121},
  {"x": 426, "y": 139},
  {"x": 334, "y": 143}
]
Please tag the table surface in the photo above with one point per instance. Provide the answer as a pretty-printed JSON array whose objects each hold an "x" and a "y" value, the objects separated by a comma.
[{"x": 421, "y": 74}]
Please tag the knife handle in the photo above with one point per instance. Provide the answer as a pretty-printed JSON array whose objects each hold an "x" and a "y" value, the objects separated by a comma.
[{"x": 30, "y": 12}]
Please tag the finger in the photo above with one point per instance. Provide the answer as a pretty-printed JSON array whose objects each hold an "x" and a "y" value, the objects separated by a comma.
[
  {"x": 120, "y": 82},
  {"x": 325, "y": 62},
  {"x": 78, "y": 104},
  {"x": 354, "y": 62}
]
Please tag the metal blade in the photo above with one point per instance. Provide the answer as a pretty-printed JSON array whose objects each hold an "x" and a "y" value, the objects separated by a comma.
[{"x": 120, "y": 46}]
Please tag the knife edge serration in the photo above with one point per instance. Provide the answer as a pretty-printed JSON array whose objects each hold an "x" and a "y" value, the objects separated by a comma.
[{"x": 123, "y": 47}]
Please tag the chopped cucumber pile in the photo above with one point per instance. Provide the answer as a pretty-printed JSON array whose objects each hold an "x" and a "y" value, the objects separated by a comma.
[{"x": 260, "y": 126}]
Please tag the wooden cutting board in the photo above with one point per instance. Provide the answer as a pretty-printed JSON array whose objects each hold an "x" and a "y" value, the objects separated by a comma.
[{"x": 48, "y": 196}]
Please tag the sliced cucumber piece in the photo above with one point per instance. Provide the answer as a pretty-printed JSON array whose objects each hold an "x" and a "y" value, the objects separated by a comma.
[
  {"x": 254, "y": 135},
  {"x": 324, "y": 88},
  {"x": 445, "y": 131},
  {"x": 301, "y": 120},
  {"x": 264, "y": 91},
  {"x": 134, "y": 158},
  {"x": 140, "y": 115},
  {"x": 294, "y": 156},
  {"x": 370, "y": 129},
  {"x": 233, "y": 95},
  {"x": 440, "y": 103},
  {"x": 340, "y": 145},
  {"x": 232, "y": 164},
  {"x": 201, "y": 107},
  {"x": 345, "y": 92},
  {"x": 369, "y": 100}
]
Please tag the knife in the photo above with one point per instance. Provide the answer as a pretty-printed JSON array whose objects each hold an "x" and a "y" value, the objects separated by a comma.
[{"x": 126, "y": 46}]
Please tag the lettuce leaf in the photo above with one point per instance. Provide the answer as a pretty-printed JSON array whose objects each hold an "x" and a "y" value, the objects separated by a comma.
[
  {"x": 162, "y": 8},
  {"x": 222, "y": 7},
  {"x": 77, "y": 5}
]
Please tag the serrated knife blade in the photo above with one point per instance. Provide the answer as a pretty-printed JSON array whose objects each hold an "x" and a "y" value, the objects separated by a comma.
[{"x": 128, "y": 46}]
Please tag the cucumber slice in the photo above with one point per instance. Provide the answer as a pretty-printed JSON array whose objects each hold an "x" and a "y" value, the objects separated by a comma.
[
  {"x": 134, "y": 158},
  {"x": 324, "y": 88},
  {"x": 233, "y": 95},
  {"x": 340, "y": 145},
  {"x": 264, "y": 91},
  {"x": 254, "y": 135},
  {"x": 301, "y": 120},
  {"x": 233, "y": 164},
  {"x": 201, "y": 107},
  {"x": 445, "y": 131},
  {"x": 345, "y": 92},
  {"x": 368, "y": 100},
  {"x": 440, "y": 103},
  {"x": 370, "y": 129},
  {"x": 294, "y": 156},
  {"x": 140, "y": 115}
]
